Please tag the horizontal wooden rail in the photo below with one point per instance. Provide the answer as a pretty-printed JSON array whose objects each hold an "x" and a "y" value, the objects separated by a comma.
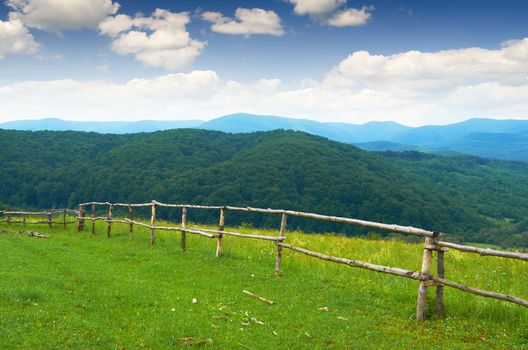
[
  {"x": 172, "y": 228},
  {"x": 415, "y": 275},
  {"x": 117, "y": 204},
  {"x": 356, "y": 222},
  {"x": 28, "y": 213},
  {"x": 187, "y": 206},
  {"x": 483, "y": 251},
  {"x": 480, "y": 292},
  {"x": 408, "y": 274},
  {"x": 244, "y": 235}
]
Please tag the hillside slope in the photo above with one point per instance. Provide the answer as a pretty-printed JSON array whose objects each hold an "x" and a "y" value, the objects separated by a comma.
[
  {"x": 59, "y": 291},
  {"x": 468, "y": 197}
]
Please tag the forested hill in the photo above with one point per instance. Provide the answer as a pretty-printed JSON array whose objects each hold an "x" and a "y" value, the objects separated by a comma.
[{"x": 472, "y": 198}]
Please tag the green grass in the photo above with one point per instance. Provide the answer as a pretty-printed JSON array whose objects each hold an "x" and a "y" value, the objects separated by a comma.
[{"x": 79, "y": 291}]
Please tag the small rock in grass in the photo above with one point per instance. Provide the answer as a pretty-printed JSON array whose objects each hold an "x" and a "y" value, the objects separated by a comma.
[
  {"x": 194, "y": 301},
  {"x": 324, "y": 309}
]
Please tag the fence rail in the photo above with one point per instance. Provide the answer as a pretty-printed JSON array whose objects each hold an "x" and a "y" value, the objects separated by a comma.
[
  {"x": 434, "y": 243},
  {"x": 49, "y": 214}
]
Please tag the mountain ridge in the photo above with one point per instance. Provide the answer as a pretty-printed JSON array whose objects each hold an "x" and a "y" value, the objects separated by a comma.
[{"x": 492, "y": 138}]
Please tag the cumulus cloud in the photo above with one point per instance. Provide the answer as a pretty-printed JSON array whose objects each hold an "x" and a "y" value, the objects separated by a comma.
[
  {"x": 57, "y": 16},
  {"x": 247, "y": 22},
  {"x": 15, "y": 39},
  {"x": 331, "y": 12},
  {"x": 315, "y": 7},
  {"x": 412, "y": 87},
  {"x": 160, "y": 40},
  {"x": 508, "y": 65},
  {"x": 351, "y": 17}
]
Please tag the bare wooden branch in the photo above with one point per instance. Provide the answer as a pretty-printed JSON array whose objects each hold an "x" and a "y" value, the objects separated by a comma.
[
  {"x": 483, "y": 251},
  {"x": 261, "y": 298}
]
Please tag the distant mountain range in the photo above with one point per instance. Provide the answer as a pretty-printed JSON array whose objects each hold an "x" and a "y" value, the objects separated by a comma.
[{"x": 499, "y": 139}]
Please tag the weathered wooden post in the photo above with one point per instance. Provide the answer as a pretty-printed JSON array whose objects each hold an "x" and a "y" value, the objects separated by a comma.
[
  {"x": 282, "y": 234},
  {"x": 9, "y": 219},
  {"x": 153, "y": 223},
  {"x": 441, "y": 273},
  {"x": 421, "y": 304},
  {"x": 64, "y": 218},
  {"x": 184, "y": 234},
  {"x": 220, "y": 235},
  {"x": 80, "y": 220},
  {"x": 131, "y": 226},
  {"x": 93, "y": 219},
  {"x": 49, "y": 216},
  {"x": 24, "y": 220},
  {"x": 109, "y": 220}
]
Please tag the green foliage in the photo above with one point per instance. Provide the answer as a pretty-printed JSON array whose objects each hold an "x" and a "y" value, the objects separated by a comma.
[
  {"x": 469, "y": 198},
  {"x": 83, "y": 291}
]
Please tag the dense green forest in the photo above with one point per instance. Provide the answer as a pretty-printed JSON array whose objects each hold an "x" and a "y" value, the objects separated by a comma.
[{"x": 472, "y": 199}]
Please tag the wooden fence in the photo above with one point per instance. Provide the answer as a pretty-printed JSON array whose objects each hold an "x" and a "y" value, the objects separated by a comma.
[
  {"x": 434, "y": 243},
  {"x": 23, "y": 216}
]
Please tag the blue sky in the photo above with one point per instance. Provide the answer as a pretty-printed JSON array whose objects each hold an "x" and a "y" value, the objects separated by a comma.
[{"x": 415, "y": 62}]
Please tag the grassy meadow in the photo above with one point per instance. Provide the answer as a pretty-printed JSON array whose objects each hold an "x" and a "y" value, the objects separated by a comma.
[{"x": 83, "y": 291}]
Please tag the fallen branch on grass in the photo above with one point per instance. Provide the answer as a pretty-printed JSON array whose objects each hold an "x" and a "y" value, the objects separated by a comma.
[
  {"x": 34, "y": 234},
  {"x": 258, "y": 297}
]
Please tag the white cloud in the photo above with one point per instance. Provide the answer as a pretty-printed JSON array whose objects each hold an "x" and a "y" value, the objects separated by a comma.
[
  {"x": 160, "y": 40},
  {"x": 440, "y": 69},
  {"x": 57, "y": 16},
  {"x": 247, "y": 22},
  {"x": 315, "y": 7},
  {"x": 413, "y": 88},
  {"x": 15, "y": 39},
  {"x": 351, "y": 17},
  {"x": 327, "y": 12}
]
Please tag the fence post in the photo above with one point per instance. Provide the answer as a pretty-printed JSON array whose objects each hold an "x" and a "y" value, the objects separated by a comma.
[
  {"x": 184, "y": 234},
  {"x": 80, "y": 221},
  {"x": 441, "y": 273},
  {"x": 24, "y": 220},
  {"x": 131, "y": 226},
  {"x": 9, "y": 219},
  {"x": 109, "y": 220},
  {"x": 421, "y": 304},
  {"x": 220, "y": 235},
  {"x": 64, "y": 218},
  {"x": 93, "y": 219},
  {"x": 49, "y": 218},
  {"x": 152, "y": 223},
  {"x": 282, "y": 234}
]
